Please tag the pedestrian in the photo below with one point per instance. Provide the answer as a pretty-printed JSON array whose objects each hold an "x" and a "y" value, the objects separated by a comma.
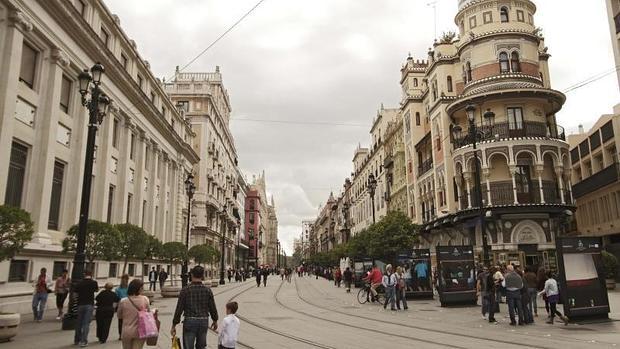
[
  {"x": 498, "y": 278},
  {"x": 375, "y": 279},
  {"x": 526, "y": 303},
  {"x": 121, "y": 292},
  {"x": 259, "y": 274},
  {"x": 541, "y": 278},
  {"x": 347, "y": 277},
  {"x": 531, "y": 282},
  {"x": 128, "y": 310},
  {"x": 230, "y": 275},
  {"x": 85, "y": 291},
  {"x": 105, "y": 311},
  {"x": 514, "y": 284},
  {"x": 153, "y": 279},
  {"x": 61, "y": 289},
  {"x": 389, "y": 284},
  {"x": 282, "y": 274},
  {"x": 401, "y": 289},
  {"x": 163, "y": 276},
  {"x": 265, "y": 274},
  {"x": 338, "y": 277},
  {"x": 491, "y": 287},
  {"x": 196, "y": 303},
  {"x": 481, "y": 286},
  {"x": 42, "y": 287},
  {"x": 229, "y": 332},
  {"x": 552, "y": 291}
]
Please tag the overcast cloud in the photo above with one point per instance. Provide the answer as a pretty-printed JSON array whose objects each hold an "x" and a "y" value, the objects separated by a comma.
[{"x": 337, "y": 61}]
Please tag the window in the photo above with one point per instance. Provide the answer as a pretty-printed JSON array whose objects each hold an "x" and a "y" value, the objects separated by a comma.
[
  {"x": 163, "y": 111},
  {"x": 522, "y": 179},
  {"x": 468, "y": 71},
  {"x": 18, "y": 270},
  {"x": 113, "y": 271},
  {"x": 115, "y": 133},
  {"x": 415, "y": 82},
  {"x": 143, "y": 213},
  {"x": 17, "y": 172},
  {"x": 132, "y": 175},
  {"x": 114, "y": 165},
  {"x": 147, "y": 158},
  {"x": 80, "y": 6},
  {"x": 55, "y": 200},
  {"x": 59, "y": 267},
  {"x": 183, "y": 105},
  {"x": 504, "y": 14},
  {"x": 65, "y": 94},
  {"x": 28, "y": 67},
  {"x": 105, "y": 36},
  {"x": 514, "y": 62},
  {"x": 140, "y": 81},
  {"x": 132, "y": 145},
  {"x": 450, "y": 88},
  {"x": 515, "y": 118},
  {"x": 131, "y": 269},
  {"x": 129, "y": 202},
  {"x": 63, "y": 134},
  {"x": 504, "y": 66},
  {"x": 124, "y": 61},
  {"x": 417, "y": 119},
  {"x": 252, "y": 206},
  {"x": 110, "y": 203},
  {"x": 530, "y": 18},
  {"x": 520, "y": 16},
  {"x": 487, "y": 17},
  {"x": 251, "y": 219},
  {"x": 472, "y": 22}
]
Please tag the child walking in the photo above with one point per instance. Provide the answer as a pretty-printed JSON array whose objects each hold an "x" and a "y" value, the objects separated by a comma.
[{"x": 229, "y": 332}]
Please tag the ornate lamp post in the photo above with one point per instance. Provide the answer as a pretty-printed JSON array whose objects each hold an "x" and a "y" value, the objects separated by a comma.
[
  {"x": 238, "y": 243},
  {"x": 97, "y": 107},
  {"x": 371, "y": 186},
  {"x": 190, "y": 189},
  {"x": 222, "y": 282},
  {"x": 278, "y": 254}
]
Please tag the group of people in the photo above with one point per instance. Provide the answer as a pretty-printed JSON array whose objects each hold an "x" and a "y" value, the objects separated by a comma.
[
  {"x": 155, "y": 276},
  {"x": 286, "y": 273},
  {"x": 520, "y": 289},
  {"x": 238, "y": 274},
  {"x": 393, "y": 282},
  {"x": 261, "y": 273}
]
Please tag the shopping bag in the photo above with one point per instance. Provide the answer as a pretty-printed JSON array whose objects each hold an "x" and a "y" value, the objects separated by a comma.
[
  {"x": 152, "y": 341},
  {"x": 176, "y": 342},
  {"x": 147, "y": 326}
]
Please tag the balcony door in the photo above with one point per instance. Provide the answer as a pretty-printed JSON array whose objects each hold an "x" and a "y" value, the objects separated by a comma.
[{"x": 523, "y": 181}]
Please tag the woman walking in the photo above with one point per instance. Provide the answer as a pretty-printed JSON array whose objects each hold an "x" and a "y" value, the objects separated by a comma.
[
  {"x": 401, "y": 289},
  {"x": 61, "y": 288},
  {"x": 121, "y": 293},
  {"x": 541, "y": 278},
  {"x": 128, "y": 310},
  {"x": 105, "y": 311},
  {"x": 42, "y": 286},
  {"x": 552, "y": 292}
]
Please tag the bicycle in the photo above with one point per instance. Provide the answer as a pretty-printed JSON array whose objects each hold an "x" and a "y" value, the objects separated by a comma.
[{"x": 364, "y": 295}]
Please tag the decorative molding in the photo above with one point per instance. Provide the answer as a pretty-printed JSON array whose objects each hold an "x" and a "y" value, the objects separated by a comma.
[
  {"x": 20, "y": 21},
  {"x": 59, "y": 57}
]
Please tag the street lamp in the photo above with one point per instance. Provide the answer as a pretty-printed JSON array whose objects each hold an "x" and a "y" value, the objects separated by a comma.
[
  {"x": 278, "y": 254},
  {"x": 222, "y": 282},
  {"x": 190, "y": 189},
  {"x": 371, "y": 186},
  {"x": 238, "y": 242},
  {"x": 97, "y": 107}
]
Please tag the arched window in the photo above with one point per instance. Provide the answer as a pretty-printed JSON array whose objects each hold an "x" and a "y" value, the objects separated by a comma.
[
  {"x": 468, "y": 71},
  {"x": 417, "y": 119},
  {"x": 415, "y": 82},
  {"x": 450, "y": 89},
  {"x": 514, "y": 62},
  {"x": 504, "y": 14},
  {"x": 504, "y": 66}
]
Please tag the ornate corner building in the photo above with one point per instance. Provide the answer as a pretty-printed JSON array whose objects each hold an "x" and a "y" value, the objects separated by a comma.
[{"x": 499, "y": 65}]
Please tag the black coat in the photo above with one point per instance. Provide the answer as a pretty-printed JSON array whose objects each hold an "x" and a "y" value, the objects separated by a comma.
[{"x": 105, "y": 304}]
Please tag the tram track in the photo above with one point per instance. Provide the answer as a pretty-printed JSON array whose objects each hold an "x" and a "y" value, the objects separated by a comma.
[{"x": 420, "y": 328}]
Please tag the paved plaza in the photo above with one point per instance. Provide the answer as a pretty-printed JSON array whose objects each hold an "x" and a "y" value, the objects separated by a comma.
[{"x": 310, "y": 313}]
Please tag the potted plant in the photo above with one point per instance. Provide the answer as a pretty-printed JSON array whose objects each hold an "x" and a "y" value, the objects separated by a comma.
[
  {"x": 16, "y": 229},
  {"x": 610, "y": 267}
]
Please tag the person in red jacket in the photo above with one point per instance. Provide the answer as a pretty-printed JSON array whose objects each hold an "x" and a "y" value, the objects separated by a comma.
[{"x": 375, "y": 279}]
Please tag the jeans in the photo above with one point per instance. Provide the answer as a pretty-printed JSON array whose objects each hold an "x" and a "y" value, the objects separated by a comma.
[
  {"x": 195, "y": 333},
  {"x": 84, "y": 315},
  {"x": 389, "y": 297},
  {"x": 38, "y": 305},
  {"x": 533, "y": 306},
  {"x": 484, "y": 301},
  {"x": 152, "y": 285},
  {"x": 513, "y": 298}
]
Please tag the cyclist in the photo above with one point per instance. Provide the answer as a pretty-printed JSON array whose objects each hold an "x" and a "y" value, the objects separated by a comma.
[{"x": 375, "y": 278}]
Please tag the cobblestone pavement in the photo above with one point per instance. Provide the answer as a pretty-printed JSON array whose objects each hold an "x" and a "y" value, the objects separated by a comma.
[{"x": 310, "y": 313}]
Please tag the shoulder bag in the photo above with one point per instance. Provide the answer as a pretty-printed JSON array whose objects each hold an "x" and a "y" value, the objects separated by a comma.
[{"x": 148, "y": 324}]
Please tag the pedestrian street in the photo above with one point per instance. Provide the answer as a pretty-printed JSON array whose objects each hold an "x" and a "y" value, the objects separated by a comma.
[{"x": 313, "y": 313}]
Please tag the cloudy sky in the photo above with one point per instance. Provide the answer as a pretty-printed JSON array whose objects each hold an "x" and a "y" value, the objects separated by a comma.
[{"x": 335, "y": 62}]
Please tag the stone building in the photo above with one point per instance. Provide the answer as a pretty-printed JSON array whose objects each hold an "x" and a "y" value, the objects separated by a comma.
[
  {"x": 395, "y": 167},
  {"x": 143, "y": 145},
  {"x": 499, "y": 65},
  {"x": 206, "y": 104},
  {"x": 261, "y": 224},
  {"x": 613, "y": 11}
]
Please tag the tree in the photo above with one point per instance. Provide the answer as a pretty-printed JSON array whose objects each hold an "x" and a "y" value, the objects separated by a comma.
[
  {"x": 152, "y": 249},
  {"x": 447, "y": 37},
  {"x": 200, "y": 253},
  {"x": 213, "y": 255},
  {"x": 174, "y": 253},
  {"x": 392, "y": 235},
  {"x": 132, "y": 242},
  {"x": 16, "y": 229},
  {"x": 101, "y": 241}
]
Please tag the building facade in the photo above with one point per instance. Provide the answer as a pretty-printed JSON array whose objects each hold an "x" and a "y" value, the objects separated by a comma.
[
  {"x": 498, "y": 64},
  {"x": 206, "y": 105},
  {"x": 261, "y": 224},
  {"x": 143, "y": 148},
  {"x": 613, "y": 11}
]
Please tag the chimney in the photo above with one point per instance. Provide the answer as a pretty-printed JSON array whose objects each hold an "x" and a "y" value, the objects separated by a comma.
[{"x": 581, "y": 129}]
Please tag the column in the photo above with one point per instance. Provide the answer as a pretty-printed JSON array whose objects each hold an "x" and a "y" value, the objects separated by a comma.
[
  {"x": 150, "y": 194},
  {"x": 570, "y": 191},
  {"x": 122, "y": 178},
  {"x": 486, "y": 173},
  {"x": 539, "y": 173},
  {"x": 513, "y": 173},
  {"x": 468, "y": 186},
  {"x": 560, "y": 176},
  {"x": 139, "y": 196},
  {"x": 161, "y": 220},
  {"x": 459, "y": 183}
]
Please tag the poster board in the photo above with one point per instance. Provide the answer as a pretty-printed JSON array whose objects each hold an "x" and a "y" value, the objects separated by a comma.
[
  {"x": 418, "y": 273},
  {"x": 456, "y": 281}
]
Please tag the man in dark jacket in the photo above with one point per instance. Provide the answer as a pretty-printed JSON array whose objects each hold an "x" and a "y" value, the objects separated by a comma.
[
  {"x": 347, "y": 276},
  {"x": 163, "y": 276},
  {"x": 265, "y": 274},
  {"x": 85, "y": 291},
  {"x": 153, "y": 279},
  {"x": 258, "y": 274}
]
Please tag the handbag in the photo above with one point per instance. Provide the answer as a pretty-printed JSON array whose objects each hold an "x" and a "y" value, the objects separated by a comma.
[
  {"x": 176, "y": 343},
  {"x": 152, "y": 341},
  {"x": 147, "y": 324}
]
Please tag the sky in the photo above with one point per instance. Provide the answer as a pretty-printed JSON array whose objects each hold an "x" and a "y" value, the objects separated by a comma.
[{"x": 336, "y": 62}]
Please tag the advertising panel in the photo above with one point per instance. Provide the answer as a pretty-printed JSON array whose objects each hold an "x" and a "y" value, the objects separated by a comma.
[
  {"x": 417, "y": 268},
  {"x": 457, "y": 275},
  {"x": 582, "y": 280}
]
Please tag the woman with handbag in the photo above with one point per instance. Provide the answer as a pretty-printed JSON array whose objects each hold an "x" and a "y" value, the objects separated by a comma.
[
  {"x": 129, "y": 311},
  {"x": 61, "y": 288}
]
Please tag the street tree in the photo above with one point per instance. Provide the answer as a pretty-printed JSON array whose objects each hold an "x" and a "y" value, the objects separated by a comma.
[
  {"x": 174, "y": 253},
  {"x": 200, "y": 253},
  {"x": 392, "y": 235},
  {"x": 212, "y": 257},
  {"x": 152, "y": 249},
  {"x": 16, "y": 229},
  {"x": 132, "y": 242},
  {"x": 101, "y": 241}
]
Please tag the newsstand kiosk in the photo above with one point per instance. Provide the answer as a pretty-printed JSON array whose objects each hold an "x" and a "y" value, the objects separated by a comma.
[{"x": 456, "y": 275}]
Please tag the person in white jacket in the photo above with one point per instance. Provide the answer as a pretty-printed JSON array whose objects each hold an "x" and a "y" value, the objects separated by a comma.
[
  {"x": 229, "y": 331},
  {"x": 42, "y": 286},
  {"x": 552, "y": 291}
]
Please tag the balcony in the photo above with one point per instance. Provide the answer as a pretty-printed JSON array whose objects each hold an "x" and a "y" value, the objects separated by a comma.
[
  {"x": 596, "y": 181},
  {"x": 502, "y": 194},
  {"x": 425, "y": 167},
  {"x": 507, "y": 130}
]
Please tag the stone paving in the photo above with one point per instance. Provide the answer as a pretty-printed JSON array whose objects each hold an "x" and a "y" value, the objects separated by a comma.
[{"x": 310, "y": 313}]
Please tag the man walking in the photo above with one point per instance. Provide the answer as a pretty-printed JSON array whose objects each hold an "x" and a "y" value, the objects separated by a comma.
[
  {"x": 42, "y": 286},
  {"x": 258, "y": 274},
  {"x": 514, "y": 284},
  {"x": 348, "y": 278},
  {"x": 196, "y": 303},
  {"x": 389, "y": 283},
  {"x": 153, "y": 280},
  {"x": 265, "y": 274},
  {"x": 85, "y": 291},
  {"x": 163, "y": 276},
  {"x": 482, "y": 291}
]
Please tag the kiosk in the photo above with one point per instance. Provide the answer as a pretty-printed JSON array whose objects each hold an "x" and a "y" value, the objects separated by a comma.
[
  {"x": 456, "y": 275},
  {"x": 581, "y": 278},
  {"x": 417, "y": 268},
  {"x": 360, "y": 267}
]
